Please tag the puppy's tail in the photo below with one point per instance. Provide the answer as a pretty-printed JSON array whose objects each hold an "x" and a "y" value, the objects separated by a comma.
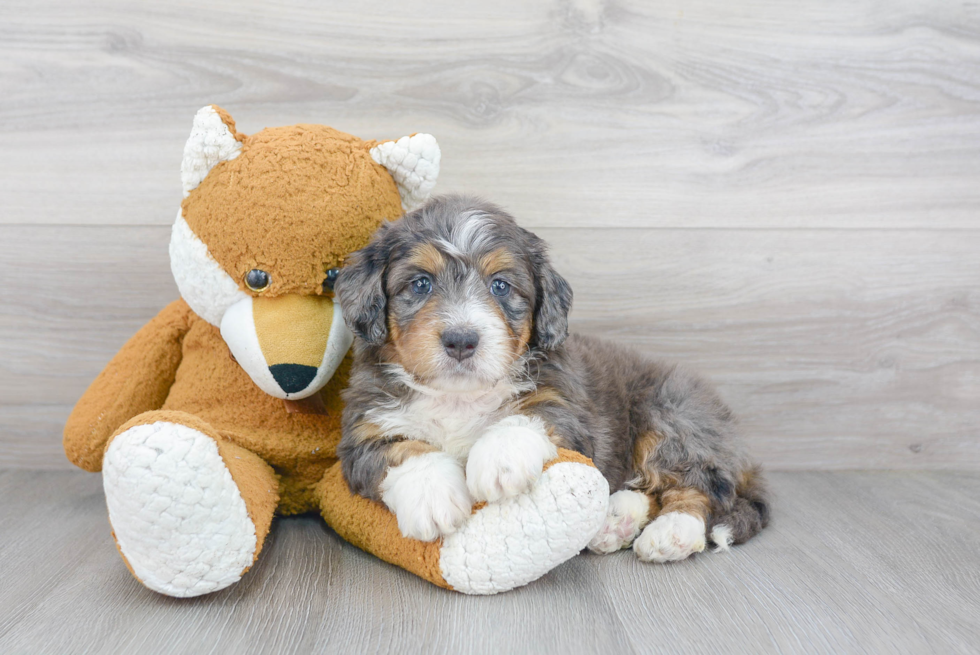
[{"x": 749, "y": 513}]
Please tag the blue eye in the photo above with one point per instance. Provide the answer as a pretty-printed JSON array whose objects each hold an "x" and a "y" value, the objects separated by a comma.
[
  {"x": 422, "y": 286},
  {"x": 499, "y": 288}
]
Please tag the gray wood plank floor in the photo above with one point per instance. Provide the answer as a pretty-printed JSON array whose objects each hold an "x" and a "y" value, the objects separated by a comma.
[{"x": 853, "y": 562}]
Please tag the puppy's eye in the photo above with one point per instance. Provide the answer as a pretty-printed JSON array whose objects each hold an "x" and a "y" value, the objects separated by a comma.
[
  {"x": 499, "y": 288},
  {"x": 331, "y": 279},
  {"x": 422, "y": 286},
  {"x": 257, "y": 280}
]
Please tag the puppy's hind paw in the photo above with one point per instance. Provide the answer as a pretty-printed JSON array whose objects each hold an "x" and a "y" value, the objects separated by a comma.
[
  {"x": 628, "y": 511},
  {"x": 672, "y": 536}
]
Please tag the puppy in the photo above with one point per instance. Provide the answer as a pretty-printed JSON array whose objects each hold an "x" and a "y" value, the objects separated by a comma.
[{"x": 464, "y": 384}]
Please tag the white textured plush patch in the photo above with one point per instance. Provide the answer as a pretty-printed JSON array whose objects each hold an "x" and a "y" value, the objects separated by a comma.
[
  {"x": 672, "y": 536},
  {"x": 508, "y": 458},
  {"x": 722, "y": 537},
  {"x": 338, "y": 343},
  {"x": 178, "y": 516},
  {"x": 238, "y": 331},
  {"x": 427, "y": 493},
  {"x": 202, "y": 283},
  {"x": 513, "y": 542},
  {"x": 628, "y": 511},
  {"x": 413, "y": 162},
  {"x": 210, "y": 142}
]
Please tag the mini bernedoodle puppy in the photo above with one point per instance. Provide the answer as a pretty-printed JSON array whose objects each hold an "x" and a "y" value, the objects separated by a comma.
[{"x": 464, "y": 384}]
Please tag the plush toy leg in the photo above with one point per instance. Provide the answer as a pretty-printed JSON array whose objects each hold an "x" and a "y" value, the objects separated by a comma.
[
  {"x": 189, "y": 511},
  {"x": 502, "y": 546}
]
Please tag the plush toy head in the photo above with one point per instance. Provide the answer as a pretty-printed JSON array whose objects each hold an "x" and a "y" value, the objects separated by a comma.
[{"x": 266, "y": 221}]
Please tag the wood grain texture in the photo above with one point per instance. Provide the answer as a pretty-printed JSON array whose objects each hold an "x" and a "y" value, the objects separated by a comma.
[
  {"x": 853, "y": 562},
  {"x": 784, "y": 197},
  {"x": 838, "y": 348},
  {"x": 835, "y": 113}
]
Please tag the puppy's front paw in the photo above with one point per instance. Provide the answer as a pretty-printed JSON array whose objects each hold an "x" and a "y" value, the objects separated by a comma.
[
  {"x": 508, "y": 458},
  {"x": 673, "y": 536},
  {"x": 428, "y": 496}
]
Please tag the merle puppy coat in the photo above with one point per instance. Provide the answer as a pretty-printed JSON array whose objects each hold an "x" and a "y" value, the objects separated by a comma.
[{"x": 465, "y": 381}]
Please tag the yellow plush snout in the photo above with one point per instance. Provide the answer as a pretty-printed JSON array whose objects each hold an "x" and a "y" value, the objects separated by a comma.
[
  {"x": 292, "y": 332},
  {"x": 290, "y": 345}
]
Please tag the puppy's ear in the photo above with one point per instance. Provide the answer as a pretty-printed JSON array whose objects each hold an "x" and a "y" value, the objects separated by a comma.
[
  {"x": 553, "y": 302},
  {"x": 360, "y": 290}
]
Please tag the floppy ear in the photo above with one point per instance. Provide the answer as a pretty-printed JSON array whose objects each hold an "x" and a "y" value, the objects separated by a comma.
[
  {"x": 554, "y": 299},
  {"x": 213, "y": 140},
  {"x": 360, "y": 291}
]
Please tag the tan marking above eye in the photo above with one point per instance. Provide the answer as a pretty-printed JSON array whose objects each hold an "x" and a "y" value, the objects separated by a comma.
[
  {"x": 496, "y": 261},
  {"x": 427, "y": 257}
]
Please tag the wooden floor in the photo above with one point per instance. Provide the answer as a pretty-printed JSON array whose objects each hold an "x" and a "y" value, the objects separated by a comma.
[
  {"x": 784, "y": 196},
  {"x": 853, "y": 562}
]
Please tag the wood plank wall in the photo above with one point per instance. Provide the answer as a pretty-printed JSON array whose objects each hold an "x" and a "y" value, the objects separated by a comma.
[{"x": 785, "y": 196}]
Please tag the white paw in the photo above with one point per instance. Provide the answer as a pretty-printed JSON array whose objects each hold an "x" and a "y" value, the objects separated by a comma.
[
  {"x": 508, "y": 458},
  {"x": 428, "y": 496},
  {"x": 628, "y": 511},
  {"x": 671, "y": 537}
]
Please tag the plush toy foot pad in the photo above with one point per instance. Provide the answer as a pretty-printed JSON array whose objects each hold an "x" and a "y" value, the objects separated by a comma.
[
  {"x": 177, "y": 515},
  {"x": 513, "y": 542}
]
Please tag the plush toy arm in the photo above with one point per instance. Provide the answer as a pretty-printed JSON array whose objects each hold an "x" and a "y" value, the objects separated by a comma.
[
  {"x": 137, "y": 380},
  {"x": 501, "y": 546}
]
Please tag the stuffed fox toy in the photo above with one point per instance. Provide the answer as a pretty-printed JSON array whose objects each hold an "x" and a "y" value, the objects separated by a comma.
[{"x": 225, "y": 408}]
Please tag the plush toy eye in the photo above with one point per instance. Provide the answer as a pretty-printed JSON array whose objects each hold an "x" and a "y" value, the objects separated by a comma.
[
  {"x": 499, "y": 288},
  {"x": 331, "y": 279},
  {"x": 257, "y": 280},
  {"x": 422, "y": 286}
]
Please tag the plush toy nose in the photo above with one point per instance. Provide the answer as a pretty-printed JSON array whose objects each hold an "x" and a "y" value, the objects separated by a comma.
[
  {"x": 460, "y": 343},
  {"x": 293, "y": 378}
]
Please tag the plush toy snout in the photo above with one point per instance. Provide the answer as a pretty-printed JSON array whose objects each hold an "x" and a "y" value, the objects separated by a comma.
[{"x": 289, "y": 345}]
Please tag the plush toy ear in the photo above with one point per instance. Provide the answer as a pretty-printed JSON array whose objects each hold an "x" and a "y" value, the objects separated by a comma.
[
  {"x": 414, "y": 163},
  {"x": 213, "y": 139}
]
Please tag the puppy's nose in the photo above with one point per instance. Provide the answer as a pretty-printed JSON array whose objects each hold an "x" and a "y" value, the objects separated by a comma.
[{"x": 460, "y": 343}]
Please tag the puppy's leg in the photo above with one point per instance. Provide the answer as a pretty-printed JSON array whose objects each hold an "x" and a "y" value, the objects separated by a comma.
[
  {"x": 509, "y": 458},
  {"x": 424, "y": 487},
  {"x": 679, "y": 529},
  {"x": 629, "y": 511}
]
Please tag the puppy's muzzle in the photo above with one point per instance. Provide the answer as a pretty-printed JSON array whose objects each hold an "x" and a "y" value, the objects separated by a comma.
[{"x": 460, "y": 343}]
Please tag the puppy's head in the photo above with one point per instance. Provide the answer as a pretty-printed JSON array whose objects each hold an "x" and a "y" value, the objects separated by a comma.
[{"x": 454, "y": 292}]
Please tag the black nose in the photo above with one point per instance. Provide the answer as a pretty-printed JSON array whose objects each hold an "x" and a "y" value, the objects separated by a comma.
[
  {"x": 293, "y": 377},
  {"x": 460, "y": 344}
]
